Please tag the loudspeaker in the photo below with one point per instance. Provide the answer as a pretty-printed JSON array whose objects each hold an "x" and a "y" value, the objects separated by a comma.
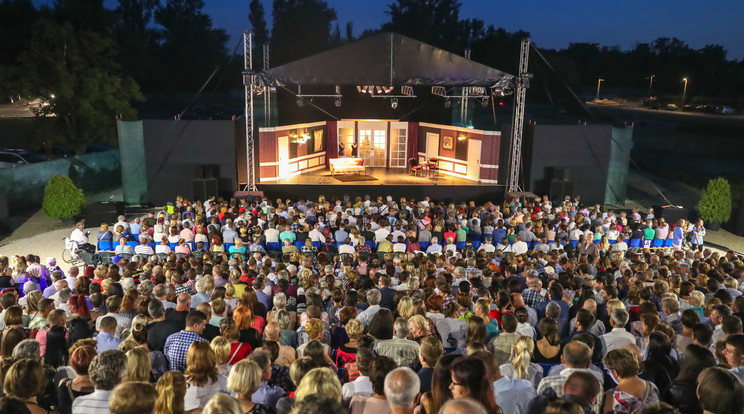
[
  {"x": 106, "y": 212},
  {"x": 561, "y": 173},
  {"x": 560, "y": 189},
  {"x": 204, "y": 188},
  {"x": 206, "y": 171}
]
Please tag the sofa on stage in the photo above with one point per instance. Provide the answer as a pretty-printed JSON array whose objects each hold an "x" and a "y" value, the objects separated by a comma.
[{"x": 347, "y": 165}]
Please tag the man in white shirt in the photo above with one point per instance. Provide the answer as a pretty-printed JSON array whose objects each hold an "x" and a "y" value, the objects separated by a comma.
[
  {"x": 80, "y": 236},
  {"x": 434, "y": 247},
  {"x": 487, "y": 246},
  {"x": 362, "y": 385},
  {"x": 373, "y": 298},
  {"x": 620, "y": 246},
  {"x": 316, "y": 235},
  {"x": 143, "y": 249},
  {"x": 618, "y": 337},
  {"x": 519, "y": 247},
  {"x": 346, "y": 248}
]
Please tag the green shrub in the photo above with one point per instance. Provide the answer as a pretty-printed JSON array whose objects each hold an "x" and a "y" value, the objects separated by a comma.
[
  {"x": 61, "y": 198},
  {"x": 715, "y": 202}
]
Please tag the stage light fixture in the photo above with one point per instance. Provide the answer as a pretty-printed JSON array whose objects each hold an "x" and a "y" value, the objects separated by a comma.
[
  {"x": 300, "y": 101},
  {"x": 337, "y": 102},
  {"x": 394, "y": 103},
  {"x": 448, "y": 103},
  {"x": 379, "y": 89},
  {"x": 484, "y": 101},
  {"x": 359, "y": 89}
]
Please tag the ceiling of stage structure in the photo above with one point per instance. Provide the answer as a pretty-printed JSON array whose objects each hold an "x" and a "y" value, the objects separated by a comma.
[{"x": 386, "y": 59}]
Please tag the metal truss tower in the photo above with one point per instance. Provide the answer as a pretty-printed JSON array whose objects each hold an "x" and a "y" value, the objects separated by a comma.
[
  {"x": 520, "y": 95},
  {"x": 249, "y": 82}
]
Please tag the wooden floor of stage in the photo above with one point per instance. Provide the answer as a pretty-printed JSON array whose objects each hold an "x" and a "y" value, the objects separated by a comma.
[{"x": 376, "y": 176}]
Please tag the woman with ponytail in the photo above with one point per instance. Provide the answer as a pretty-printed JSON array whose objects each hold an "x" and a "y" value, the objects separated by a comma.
[
  {"x": 521, "y": 365},
  {"x": 171, "y": 393}
]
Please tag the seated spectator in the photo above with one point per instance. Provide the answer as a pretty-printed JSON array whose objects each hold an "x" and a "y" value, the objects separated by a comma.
[
  {"x": 265, "y": 394},
  {"x": 719, "y": 392},
  {"x": 512, "y": 395},
  {"x": 377, "y": 402},
  {"x": 202, "y": 376},
  {"x": 521, "y": 365},
  {"x": 362, "y": 384},
  {"x": 402, "y": 350},
  {"x": 631, "y": 392},
  {"x": 25, "y": 381},
  {"x": 401, "y": 389},
  {"x": 133, "y": 398},
  {"x": 106, "y": 371},
  {"x": 244, "y": 381},
  {"x": 470, "y": 380}
]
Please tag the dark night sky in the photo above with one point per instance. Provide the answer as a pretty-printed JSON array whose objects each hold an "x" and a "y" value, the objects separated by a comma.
[{"x": 552, "y": 24}]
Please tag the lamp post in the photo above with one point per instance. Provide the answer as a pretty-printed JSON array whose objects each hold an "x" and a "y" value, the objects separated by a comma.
[
  {"x": 684, "y": 92},
  {"x": 599, "y": 84},
  {"x": 650, "y": 84}
]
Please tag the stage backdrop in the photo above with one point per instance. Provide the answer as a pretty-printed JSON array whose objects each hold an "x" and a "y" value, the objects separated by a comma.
[
  {"x": 164, "y": 158},
  {"x": 590, "y": 161}
]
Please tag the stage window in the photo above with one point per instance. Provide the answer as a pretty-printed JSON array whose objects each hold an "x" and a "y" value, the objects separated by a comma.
[
  {"x": 346, "y": 136},
  {"x": 372, "y": 145},
  {"x": 398, "y": 148}
]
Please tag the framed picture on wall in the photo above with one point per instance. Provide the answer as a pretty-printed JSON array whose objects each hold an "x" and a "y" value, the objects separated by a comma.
[
  {"x": 448, "y": 143},
  {"x": 318, "y": 140}
]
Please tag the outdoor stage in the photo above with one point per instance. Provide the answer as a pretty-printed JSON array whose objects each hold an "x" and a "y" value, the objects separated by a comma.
[{"x": 382, "y": 182}]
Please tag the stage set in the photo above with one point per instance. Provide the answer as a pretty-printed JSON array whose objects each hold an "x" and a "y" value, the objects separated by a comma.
[{"x": 385, "y": 115}]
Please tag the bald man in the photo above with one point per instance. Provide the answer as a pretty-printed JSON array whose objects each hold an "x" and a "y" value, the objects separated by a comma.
[
  {"x": 178, "y": 314},
  {"x": 598, "y": 329},
  {"x": 401, "y": 389},
  {"x": 462, "y": 406},
  {"x": 287, "y": 354}
]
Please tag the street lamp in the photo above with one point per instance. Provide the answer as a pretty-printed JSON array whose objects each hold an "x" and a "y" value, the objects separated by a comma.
[
  {"x": 599, "y": 84},
  {"x": 650, "y": 84},
  {"x": 684, "y": 92}
]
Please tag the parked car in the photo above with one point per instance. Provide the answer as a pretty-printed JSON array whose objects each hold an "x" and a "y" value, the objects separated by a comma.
[
  {"x": 688, "y": 108},
  {"x": 725, "y": 110},
  {"x": 15, "y": 157},
  {"x": 671, "y": 107},
  {"x": 709, "y": 109}
]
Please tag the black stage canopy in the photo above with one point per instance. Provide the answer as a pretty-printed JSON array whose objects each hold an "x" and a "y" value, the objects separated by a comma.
[{"x": 386, "y": 59}]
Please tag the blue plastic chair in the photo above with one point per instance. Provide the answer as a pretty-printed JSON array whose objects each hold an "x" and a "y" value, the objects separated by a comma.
[
  {"x": 612, "y": 241},
  {"x": 635, "y": 243},
  {"x": 228, "y": 246},
  {"x": 273, "y": 246},
  {"x": 104, "y": 246},
  {"x": 132, "y": 243},
  {"x": 574, "y": 243},
  {"x": 657, "y": 243},
  {"x": 669, "y": 243},
  {"x": 173, "y": 246},
  {"x": 299, "y": 245},
  {"x": 476, "y": 244},
  {"x": 316, "y": 244},
  {"x": 424, "y": 245},
  {"x": 460, "y": 245}
]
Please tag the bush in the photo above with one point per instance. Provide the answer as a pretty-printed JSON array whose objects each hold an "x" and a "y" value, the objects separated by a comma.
[
  {"x": 715, "y": 202},
  {"x": 61, "y": 198}
]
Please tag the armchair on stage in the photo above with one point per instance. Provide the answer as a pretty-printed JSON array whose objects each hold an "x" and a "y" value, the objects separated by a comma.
[{"x": 347, "y": 165}]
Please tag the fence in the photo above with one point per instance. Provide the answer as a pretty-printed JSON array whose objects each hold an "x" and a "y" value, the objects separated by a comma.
[{"x": 22, "y": 187}]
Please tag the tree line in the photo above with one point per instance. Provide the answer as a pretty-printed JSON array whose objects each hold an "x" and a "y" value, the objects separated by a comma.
[{"x": 89, "y": 64}]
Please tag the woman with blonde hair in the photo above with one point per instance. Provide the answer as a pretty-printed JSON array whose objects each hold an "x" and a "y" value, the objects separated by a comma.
[
  {"x": 222, "y": 349},
  {"x": 244, "y": 380},
  {"x": 419, "y": 327},
  {"x": 202, "y": 375},
  {"x": 521, "y": 365},
  {"x": 171, "y": 393},
  {"x": 405, "y": 307},
  {"x": 319, "y": 381},
  {"x": 222, "y": 404},
  {"x": 138, "y": 365}
]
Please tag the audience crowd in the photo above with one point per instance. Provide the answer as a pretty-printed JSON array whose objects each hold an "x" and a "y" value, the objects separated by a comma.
[{"x": 368, "y": 306}]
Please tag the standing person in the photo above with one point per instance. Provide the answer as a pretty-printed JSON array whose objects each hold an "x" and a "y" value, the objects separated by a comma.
[{"x": 698, "y": 233}]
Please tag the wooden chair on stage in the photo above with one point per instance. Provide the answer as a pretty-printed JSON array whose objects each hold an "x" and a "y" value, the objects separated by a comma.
[
  {"x": 413, "y": 166},
  {"x": 433, "y": 167}
]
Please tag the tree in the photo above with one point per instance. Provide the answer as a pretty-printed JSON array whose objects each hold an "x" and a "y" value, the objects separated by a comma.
[
  {"x": 17, "y": 18},
  {"x": 190, "y": 48},
  {"x": 432, "y": 21},
  {"x": 349, "y": 31},
  {"x": 137, "y": 41},
  {"x": 301, "y": 28},
  {"x": 74, "y": 75},
  {"x": 258, "y": 23}
]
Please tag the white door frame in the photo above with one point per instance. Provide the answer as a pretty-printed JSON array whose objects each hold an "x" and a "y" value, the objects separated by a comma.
[
  {"x": 283, "y": 156},
  {"x": 474, "y": 154}
]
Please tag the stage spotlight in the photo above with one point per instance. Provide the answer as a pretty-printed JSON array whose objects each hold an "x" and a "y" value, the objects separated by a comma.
[
  {"x": 300, "y": 101},
  {"x": 337, "y": 102},
  {"x": 447, "y": 103},
  {"x": 394, "y": 103}
]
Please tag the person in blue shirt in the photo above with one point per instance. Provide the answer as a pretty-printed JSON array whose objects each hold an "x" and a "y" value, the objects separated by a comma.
[{"x": 678, "y": 235}]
